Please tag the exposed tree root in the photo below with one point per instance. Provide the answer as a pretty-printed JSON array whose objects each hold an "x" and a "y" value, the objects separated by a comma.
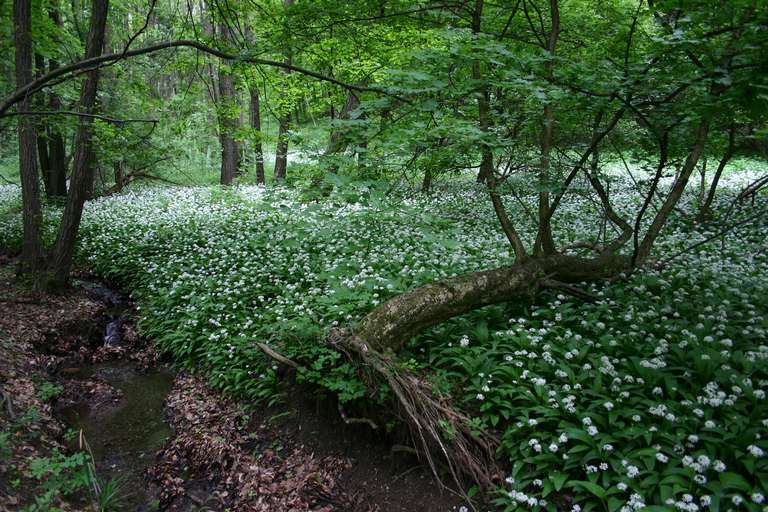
[
  {"x": 435, "y": 424},
  {"x": 441, "y": 432},
  {"x": 350, "y": 421}
]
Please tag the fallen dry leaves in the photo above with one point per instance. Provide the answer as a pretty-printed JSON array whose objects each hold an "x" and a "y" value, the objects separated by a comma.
[{"x": 238, "y": 465}]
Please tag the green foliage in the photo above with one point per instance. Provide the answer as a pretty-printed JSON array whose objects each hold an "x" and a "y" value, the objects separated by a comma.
[
  {"x": 5, "y": 445},
  {"x": 59, "y": 476},
  {"x": 215, "y": 270},
  {"x": 48, "y": 390},
  {"x": 111, "y": 495}
]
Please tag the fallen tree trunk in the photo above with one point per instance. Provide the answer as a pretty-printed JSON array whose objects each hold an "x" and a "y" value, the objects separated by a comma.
[
  {"x": 435, "y": 423},
  {"x": 393, "y": 323}
]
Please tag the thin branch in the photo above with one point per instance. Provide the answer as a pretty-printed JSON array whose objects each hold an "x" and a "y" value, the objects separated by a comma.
[
  {"x": 107, "y": 119},
  {"x": 111, "y": 58},
  {"x": 751, "y": 218},
  {"x": 753, "y": 188},
  {"x": 506, "y": 225},
  {"x": 277, "y": 356},
  {"x": 568, "y": 289},
  {"x": 596, "y": 140},
  {"x": 142, "y": 29},
  {"x": 663, "y": 157}
]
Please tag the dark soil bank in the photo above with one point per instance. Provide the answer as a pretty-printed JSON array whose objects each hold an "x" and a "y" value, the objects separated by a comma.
[{"x": 170, "y": 441}]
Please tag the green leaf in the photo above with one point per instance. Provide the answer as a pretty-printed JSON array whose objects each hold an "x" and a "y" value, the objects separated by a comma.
[
  {"x": 589, "y": 486},
  {"x": 735, "y": 481},
  {"x": 558, "y": 479}
]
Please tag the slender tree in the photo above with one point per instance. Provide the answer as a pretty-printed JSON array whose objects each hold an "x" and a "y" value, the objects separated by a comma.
[
  {"x": 730, "y": 151},
  {"x": 227, "y": 106},
  {"x": 483, "y": 100},
  {"x": 57, "y": 154},
  {"x": 82, "y": 170},
  {"x": 32, "y": 249},
  {"x": 281, "y": 152},
  {"x": 255, "y": 121},
  {"x": 544, "y": 241}
]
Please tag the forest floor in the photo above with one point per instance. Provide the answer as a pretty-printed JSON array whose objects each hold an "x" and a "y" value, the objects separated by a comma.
[{"x": 215, "y": 453}]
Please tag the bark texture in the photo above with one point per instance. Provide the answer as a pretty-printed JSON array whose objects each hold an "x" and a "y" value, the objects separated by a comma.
[
  {"x": 700, "y": 141},
  {"x": 43, "y": 156},
  {"x": 544, "y": 241},
  {"x": 483, "y": 99},
  {"x": 338, "y": 142},
  {"x": 281, "y": 151},
  {"x": 393, "y": 323},
  {"x": 258, "y": 147},
  {"x": 32, "y": 245},
  {"x": 82, "y": 171},
  {"x": 228, "y": 114},
  {"x": 57, "y": 154},
  {"x": 730, "y": 151},
  {"x": 437, "y": 426}
]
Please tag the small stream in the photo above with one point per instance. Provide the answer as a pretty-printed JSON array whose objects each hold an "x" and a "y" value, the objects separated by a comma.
[{"x": 124, "y": 436}]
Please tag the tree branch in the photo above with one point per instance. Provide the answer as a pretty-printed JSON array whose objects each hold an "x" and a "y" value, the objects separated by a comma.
[
  {"x": 111, "y": 58},
  {"x": 107, "y": 119}
]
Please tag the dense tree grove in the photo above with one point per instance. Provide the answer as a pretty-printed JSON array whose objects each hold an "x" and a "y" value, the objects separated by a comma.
[{"x": 423, "y": 167}]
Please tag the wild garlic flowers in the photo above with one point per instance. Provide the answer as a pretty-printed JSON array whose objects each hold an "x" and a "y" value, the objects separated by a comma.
[{"x": 653, "y": 395}]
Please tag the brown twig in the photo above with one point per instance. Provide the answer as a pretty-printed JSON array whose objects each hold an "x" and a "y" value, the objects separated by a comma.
[
  {"x": 751, "y": 218},
  {"x": 277, "y": 356}
]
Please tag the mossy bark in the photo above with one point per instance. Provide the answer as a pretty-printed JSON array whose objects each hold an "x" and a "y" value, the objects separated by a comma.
[{"x": 393, "y": 323}]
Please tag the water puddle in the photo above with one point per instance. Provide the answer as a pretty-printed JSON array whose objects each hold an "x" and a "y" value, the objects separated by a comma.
[
  {"x": 122, "y": 435},
  {"x": 125, "y": 436}
]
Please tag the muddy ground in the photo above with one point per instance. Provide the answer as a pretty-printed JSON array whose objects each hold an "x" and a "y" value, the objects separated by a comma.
[{"x": 170, "y": 440}]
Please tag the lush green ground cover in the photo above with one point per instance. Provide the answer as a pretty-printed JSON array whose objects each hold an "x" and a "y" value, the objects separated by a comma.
[{"x": 652, "y": 396}]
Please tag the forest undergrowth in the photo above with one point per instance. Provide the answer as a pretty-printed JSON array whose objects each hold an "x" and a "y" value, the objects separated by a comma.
[{"x": 651, "y": 396}]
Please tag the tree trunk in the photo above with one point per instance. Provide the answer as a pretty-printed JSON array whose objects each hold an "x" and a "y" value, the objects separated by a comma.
[
  {"x": 56, "y": 150},
  {"x": 644, "y": 250},
  {"x": 483, "y": 97},
  {"x": 392, "y": 324},
  {"x": 730, "y": 151},
  {"x": 82, "y": 170},
  {"x": 58, "y": 159},
  {"x": 43, "y": 157},
  {"x": 338, "y": 142},
  {"x": 119, "y": 176},
  {"x": 385, "y": 330},
  {"x": 281, "y": 151},
  {"x": 702, "y": 181},
  {"x": 258, "y": 147},
  {"x": 544, "y": 242},
  {"x": 230, "y": 150},
  {"x": 426, "y": 183},
  {"x": 362, "y": 153},
  {"x": 32, "y": 246},
  {"x": 229, "y": 115}
]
